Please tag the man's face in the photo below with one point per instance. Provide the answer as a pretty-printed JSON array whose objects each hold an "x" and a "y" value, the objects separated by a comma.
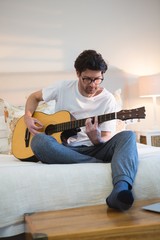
[{"x": 89, "y": 82}]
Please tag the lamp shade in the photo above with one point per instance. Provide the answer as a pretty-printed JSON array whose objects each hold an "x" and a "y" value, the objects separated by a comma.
[{"x": 149, "y": 86}]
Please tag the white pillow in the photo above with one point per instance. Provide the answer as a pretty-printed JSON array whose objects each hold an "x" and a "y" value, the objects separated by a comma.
[
  {"x": 12, "y": 114},
  {"x": 120, "y": 125},
  {"x": 3, "y": 136},
  {"x": 2, "y": 123}
]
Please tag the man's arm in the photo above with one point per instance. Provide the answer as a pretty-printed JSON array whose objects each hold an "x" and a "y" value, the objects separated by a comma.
[{"x": 33, "y": 124}]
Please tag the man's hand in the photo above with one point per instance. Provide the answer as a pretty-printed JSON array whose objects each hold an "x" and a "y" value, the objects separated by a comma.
[
  {"x": 33, "y": 124},
  {"x": 93, "y": 131}
]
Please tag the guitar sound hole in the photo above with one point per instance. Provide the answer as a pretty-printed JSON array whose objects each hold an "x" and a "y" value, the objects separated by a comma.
[
  {"x": 50, "y": 129},
  {"x": 69, "y": 133}
]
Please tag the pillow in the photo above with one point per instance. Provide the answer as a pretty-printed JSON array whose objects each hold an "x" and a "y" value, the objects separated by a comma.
[
  {"x": 12, "y": 113},
  {"x": 3, "y": 136},
  {"x": 120, "y": 125},
  {"x": 3, "y": 130}
]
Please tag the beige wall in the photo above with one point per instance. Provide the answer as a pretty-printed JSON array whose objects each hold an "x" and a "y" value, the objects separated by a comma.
[
  {"x": 47, "y": 35},
  {"x": 40, "y": 39}
]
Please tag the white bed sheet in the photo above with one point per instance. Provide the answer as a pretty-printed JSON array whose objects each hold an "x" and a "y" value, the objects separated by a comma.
[{"x": 30, "y": 187}]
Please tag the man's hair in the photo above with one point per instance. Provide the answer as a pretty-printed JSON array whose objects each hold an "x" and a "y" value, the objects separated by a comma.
[{"x": 90, "y": 59}]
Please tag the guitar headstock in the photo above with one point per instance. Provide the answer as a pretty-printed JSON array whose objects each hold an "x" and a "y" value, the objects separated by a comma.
[{"x": 137, "y": 113}]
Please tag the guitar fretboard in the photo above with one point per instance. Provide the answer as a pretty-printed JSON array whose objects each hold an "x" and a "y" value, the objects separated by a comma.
[{"x": 60, "y": 127}]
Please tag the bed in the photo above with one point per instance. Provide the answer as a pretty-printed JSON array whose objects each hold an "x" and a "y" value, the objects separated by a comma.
[
  {"x": 27, "y": 187},
  {"x": 31, "y": 187}
]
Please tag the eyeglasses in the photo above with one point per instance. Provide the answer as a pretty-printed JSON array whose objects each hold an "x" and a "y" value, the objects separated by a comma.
[{"x": 88, "y": 80}]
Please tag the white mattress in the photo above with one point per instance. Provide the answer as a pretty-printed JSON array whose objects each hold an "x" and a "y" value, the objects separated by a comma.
[{"x": 31, "y": 187}]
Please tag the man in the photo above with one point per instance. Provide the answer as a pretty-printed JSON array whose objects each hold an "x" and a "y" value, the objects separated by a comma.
[{"x": 93, "y": 143}]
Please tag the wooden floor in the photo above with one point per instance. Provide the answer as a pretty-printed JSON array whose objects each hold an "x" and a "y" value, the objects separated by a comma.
[{"x": 95, "y": 222}]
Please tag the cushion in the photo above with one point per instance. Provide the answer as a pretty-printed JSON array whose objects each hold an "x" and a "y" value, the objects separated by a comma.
[
  {"x": 3, "y": 136},
  {"x": 12, "y": 114},
  {"x": 120, "y": 125}
]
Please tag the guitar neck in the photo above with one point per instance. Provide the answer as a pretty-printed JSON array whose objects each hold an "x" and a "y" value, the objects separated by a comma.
[
  {"x": 77, "y": 123},
  {"x": 101, "y": 119},
  {"x": 123, "y": 115}
]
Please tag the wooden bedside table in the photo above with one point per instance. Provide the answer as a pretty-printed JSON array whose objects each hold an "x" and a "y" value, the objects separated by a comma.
[
  {"x": 149, "y": 137},
  {"x": 95, "y": 223}
]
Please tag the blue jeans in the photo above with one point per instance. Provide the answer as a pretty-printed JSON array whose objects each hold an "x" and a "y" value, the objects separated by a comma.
[{"x": 120, "y": 151}]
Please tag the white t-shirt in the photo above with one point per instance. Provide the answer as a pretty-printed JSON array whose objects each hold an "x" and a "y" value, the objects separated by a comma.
[{"x": 68, "y": 97}]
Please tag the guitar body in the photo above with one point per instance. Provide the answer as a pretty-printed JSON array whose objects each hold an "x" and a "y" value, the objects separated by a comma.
[{"x": 19, "y": 148}]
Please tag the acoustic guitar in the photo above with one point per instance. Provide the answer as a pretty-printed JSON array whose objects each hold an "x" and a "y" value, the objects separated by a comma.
[{"x": 61, "y": 127}]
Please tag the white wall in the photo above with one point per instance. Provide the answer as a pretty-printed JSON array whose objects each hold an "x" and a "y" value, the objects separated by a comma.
[{"x": 47, "y": 35}]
